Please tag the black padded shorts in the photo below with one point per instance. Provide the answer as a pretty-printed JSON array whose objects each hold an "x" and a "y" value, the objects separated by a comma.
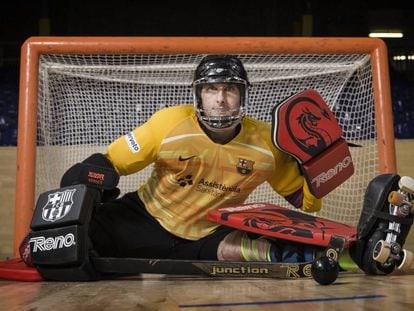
[{"x": 124, "y": 228}]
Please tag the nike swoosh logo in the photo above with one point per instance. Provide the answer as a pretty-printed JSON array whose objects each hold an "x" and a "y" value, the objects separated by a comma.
[{"x": 180, "y": 158}]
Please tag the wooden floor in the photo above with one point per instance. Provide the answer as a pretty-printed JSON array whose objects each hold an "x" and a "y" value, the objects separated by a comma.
[{"x": 351, "y": 291}]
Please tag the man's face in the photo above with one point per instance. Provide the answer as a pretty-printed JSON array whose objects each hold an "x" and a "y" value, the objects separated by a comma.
[{"x": 220, "y": 99}]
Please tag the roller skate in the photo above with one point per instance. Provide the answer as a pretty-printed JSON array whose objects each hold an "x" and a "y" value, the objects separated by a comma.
[{"x": 386, "y": 218}]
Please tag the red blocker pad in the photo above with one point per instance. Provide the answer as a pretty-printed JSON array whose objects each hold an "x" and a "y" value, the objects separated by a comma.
[
  {"x": 329, "y": 169},
  {"x": 303, "y": 126},
  {"x": 17, "y": 270},
  {"x": 282, "y": 223}
]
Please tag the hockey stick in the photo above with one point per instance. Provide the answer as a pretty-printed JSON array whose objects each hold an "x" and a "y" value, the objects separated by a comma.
[{"x": 134, "y": 266}]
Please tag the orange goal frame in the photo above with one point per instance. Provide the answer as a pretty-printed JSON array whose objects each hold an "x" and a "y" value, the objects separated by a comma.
[{"x": 36, "y": 46}]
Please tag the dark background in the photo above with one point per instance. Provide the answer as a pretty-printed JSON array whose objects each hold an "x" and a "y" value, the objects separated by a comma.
[{"x": 20, "y": 20}]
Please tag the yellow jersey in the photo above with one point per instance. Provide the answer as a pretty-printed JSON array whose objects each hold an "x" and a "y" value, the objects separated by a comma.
[{"x": 192, "y": 174}]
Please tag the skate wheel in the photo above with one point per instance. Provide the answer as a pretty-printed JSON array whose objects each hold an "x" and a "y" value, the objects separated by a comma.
[
  {"x": 406, "y": 184},
  {"x": 406, "y": 261},
  {"x": 382, "y": 251},
  {"x": 396, "y": 198}
]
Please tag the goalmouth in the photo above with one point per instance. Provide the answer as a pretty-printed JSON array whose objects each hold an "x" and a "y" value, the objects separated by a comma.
[{"x": 78, "y": 94}]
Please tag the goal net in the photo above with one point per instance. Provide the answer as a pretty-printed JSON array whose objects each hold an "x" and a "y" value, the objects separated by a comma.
[{"x": 86, "y": 100}]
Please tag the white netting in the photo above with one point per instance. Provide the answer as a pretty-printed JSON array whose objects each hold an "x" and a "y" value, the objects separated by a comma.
[{"x": 87, "y": 101}]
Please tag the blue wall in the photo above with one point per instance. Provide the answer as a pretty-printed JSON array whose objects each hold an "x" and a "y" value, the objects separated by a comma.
[{"x": 8, "y": 106}]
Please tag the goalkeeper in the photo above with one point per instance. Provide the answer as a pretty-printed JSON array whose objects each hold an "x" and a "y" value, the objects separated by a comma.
[{"x": 205, "y": 156}]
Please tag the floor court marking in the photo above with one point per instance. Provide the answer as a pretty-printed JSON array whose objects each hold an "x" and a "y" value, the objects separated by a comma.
[{"x": 279, "y": 302}]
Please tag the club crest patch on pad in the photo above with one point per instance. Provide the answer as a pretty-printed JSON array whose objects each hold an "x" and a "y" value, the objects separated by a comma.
[{"x": 58, "y": 205}]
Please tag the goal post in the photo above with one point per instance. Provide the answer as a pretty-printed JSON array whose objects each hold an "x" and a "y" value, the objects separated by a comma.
[{"x": 77, "y": 94}]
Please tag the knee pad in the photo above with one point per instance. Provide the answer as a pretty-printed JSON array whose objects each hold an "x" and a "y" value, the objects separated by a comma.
[{"x": 242, "y": 246}]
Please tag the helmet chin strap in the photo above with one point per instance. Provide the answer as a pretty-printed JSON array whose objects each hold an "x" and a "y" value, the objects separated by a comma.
[
  {"x": 220, "y": 122},
  {"x": 218, "y": 130},
  {"x": 220, "y": 135}
]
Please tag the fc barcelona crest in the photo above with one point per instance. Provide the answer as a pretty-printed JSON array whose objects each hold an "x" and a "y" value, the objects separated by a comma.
[
  {"x": 58, "y": 205},
  {"x": 244, "y": 166}
]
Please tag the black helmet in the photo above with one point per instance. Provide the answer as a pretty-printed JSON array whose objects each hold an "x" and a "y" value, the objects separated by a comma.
[{"x": 220, "y": 69}]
